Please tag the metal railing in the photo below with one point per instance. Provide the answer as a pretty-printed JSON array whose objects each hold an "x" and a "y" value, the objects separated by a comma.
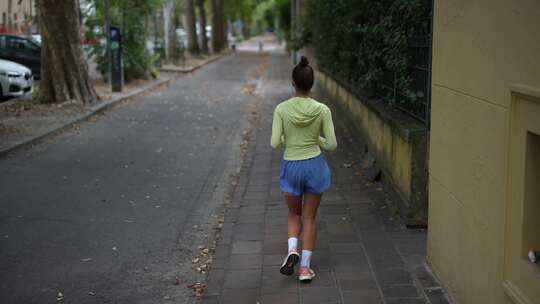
[{"x": 420, "y": 48}]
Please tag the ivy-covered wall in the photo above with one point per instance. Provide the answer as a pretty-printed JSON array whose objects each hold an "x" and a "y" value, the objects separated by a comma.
[
  {"x": 372, "y": 57},
  {"x": 376, "y": 47}
]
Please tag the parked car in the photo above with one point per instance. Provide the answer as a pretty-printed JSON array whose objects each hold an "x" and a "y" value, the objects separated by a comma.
[
  {"x": 36, "y": 38},
  {"x": 182, "y": 37},
  {"x": 25, "y": 51},
  {"x": 209, "y": 32},
  {"x": 15, "y": 79}
]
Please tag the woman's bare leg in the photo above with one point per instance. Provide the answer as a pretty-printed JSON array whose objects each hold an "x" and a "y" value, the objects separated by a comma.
[
  {"x": 294, "y": 219},
  {"x": 294, "y": 225},
  {"x": 311, "y": 204}
]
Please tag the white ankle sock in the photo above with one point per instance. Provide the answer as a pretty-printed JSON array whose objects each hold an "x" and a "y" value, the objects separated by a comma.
[
  {"x": 293, "y": 243},
  {"x": 306, "y": 258}
]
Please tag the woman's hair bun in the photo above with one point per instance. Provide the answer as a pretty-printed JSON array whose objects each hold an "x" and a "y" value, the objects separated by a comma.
[{"x": 303, "y": 61}]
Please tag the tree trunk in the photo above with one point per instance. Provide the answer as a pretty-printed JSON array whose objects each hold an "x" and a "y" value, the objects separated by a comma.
[
  {"x": 217, "y": 25},
  {"x": 224, "y": 29},
  {"x": 202, "y": 23},
  {"x": 172, "y": 38},
  {"x": 169, "y": 24},
  {"x": 64, "y": 73},
  {"x": 191, "y": 29}
]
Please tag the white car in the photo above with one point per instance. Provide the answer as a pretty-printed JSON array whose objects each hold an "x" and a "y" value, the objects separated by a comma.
[{"x": 15, "y": 79}]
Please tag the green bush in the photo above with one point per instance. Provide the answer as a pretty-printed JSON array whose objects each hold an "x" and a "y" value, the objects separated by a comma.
[
  {"x": 363, "y": 43},
  {"x": 129, "y": 16}
]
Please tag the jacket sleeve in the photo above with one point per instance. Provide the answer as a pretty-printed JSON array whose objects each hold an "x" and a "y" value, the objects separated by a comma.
[
  {"x": 328, "y": 142},
  {"x": 277, "y": 130}
]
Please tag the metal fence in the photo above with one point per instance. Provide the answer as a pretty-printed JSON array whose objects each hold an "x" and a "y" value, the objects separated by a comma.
[{"x": 420, "y": 46}]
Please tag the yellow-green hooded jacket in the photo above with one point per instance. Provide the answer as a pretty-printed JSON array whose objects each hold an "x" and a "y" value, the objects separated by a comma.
[{"x": 297, "y": 126}]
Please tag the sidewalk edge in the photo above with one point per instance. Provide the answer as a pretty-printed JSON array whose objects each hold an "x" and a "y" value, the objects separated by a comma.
[
  {"x": 98, "y": 109},
  {"x": 196, "y": 67},
  {"x": 102, "y": 107}
]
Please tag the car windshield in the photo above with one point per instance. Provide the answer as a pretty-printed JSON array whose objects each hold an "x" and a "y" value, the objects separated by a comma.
[
  {"x": 35, "y": 40},
  {"x": 23, "y": 44}
]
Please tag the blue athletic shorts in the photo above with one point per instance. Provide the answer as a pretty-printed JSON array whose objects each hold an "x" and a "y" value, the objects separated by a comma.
[{"x": 305, "y": 176}]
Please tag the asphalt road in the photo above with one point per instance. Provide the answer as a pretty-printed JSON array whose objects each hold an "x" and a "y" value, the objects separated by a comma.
[{"x": 104, "y": 213}]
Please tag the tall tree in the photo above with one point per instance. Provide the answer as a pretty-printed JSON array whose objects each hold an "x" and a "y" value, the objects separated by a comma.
[
  {"x": 64, "y": 73},
  {"x": 225, "y": 27},
  {"x": 191, "y": 28},
  {"x": 217, "y": 25},
  {"x": 202, "y": 25},
  {"x": 169, "y": 24}
]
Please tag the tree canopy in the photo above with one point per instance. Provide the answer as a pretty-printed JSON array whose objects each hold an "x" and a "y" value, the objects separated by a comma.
[{"x": 261, "y": 15}]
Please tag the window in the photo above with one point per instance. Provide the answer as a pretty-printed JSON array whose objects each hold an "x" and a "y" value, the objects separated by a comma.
[
  {"x": 32, "y": 46},
  {"x": 22, "y": 44},
  {"x": 2, "y": 42},
  {"x": 4, "y": 18},
  {"x": 522, "y": 277},
  {"x": 531, "y": 197}
]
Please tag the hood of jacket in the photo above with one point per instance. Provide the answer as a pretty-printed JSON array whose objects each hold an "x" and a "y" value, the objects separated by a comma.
[{"x": 303, "y": 111}]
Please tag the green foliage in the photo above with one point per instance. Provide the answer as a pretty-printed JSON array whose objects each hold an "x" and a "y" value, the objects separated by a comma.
[
  {"x": 283, "y": 11},
  {"x": 240, "y": 10},
  {"x": 263, "y": 16},
  {"x": 363, "y": 43},
  {"x": 274, "y": 15},
  {"x": 130, "y": 17},
  {"x": 259, "y": 15}
]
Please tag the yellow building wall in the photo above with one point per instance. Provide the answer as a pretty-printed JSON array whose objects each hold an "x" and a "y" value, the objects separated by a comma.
[{"x": 480, "y": 49}]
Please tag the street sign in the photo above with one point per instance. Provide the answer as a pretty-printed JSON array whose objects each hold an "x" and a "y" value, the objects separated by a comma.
[{"x": 117, "y": 73}]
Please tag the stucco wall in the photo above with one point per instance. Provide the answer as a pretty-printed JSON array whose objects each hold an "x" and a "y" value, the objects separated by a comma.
[{"x": 480, "y": 49}]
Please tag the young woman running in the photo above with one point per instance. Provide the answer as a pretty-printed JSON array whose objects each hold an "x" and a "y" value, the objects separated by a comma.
[{"x": 305, "y": 175}]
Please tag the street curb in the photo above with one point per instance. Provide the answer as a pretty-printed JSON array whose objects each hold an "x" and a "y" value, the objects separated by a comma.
[
  {"x": 93, "y": 111},
  {"x": 102, "y": 107},
  {"x": 194, "y": 68}
]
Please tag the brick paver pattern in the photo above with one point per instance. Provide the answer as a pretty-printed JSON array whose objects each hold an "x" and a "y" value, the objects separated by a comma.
[{"x": 364, "y": 254}]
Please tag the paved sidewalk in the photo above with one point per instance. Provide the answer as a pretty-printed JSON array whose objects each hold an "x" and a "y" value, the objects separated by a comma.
[{"x": 363, "y": 254}]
